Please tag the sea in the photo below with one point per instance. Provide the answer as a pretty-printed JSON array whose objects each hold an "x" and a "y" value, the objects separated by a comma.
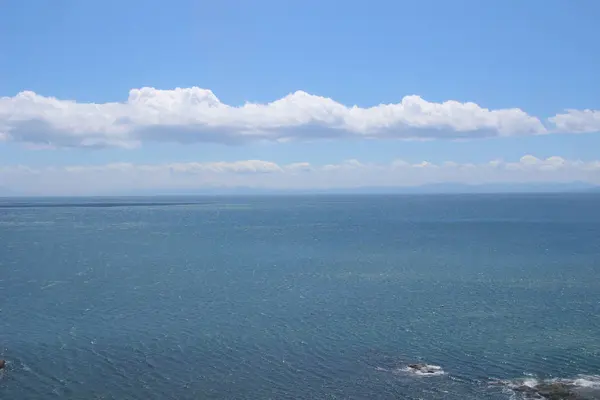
[{"x": 299, "y": 297}]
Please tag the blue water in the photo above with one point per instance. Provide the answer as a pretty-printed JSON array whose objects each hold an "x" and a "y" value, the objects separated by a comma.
[{"x": 297, "y": 297}]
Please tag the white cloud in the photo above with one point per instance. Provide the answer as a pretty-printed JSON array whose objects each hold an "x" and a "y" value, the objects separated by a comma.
[
  {"x": 554, "y": 163},
  {"x": 300, "y": 166},
  {"x": 117, "y": 177},
  {"x": 196, "y": 115},
  {"x": 239, "y": 167},
  {"x": 577, "y": 121}
]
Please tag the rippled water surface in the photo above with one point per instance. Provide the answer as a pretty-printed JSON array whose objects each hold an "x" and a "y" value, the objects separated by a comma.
[{"x": 298, "y": 297}]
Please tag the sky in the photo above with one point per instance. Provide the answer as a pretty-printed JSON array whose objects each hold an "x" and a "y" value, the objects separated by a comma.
[{"x": 100, "y": 97}]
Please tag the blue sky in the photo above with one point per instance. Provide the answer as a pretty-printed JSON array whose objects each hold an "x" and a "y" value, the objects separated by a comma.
[{"x": 76, "y": 59}]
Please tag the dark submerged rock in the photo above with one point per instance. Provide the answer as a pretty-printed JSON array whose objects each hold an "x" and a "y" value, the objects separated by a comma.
[
  {"x": 549, "y": 391},
  {"x": 556, "y": 391},
  {"x": 2, "y": 364},
  {"x": 423, "y": 368},
  {"x": 525, "y": 389}
]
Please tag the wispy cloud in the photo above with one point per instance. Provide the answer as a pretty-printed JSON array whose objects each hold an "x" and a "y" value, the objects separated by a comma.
[
  {"x": 191, "y": 115},
  {"x": 98, "y": 179}
]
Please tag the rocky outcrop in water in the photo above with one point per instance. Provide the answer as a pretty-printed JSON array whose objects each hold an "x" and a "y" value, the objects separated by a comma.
[
  {"x": 2, "y": 364},
  {"x": 549, "y": 390},
  {"x": 424, "y": 368}
]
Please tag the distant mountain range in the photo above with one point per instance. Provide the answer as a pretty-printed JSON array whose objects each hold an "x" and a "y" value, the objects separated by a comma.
[{"x": 437, "y": 188}]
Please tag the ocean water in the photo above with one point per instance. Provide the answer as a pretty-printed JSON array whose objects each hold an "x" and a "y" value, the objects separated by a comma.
[{"x": 322, "y": 297}]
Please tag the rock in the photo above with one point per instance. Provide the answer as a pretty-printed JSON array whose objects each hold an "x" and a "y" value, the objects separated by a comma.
[
  {"x": 2, "y": 364},
  {"x": 547, "y": 390},
  {"x": 550, "y": 391},
  {"x": 555, "y": 391},
  {"x": 424, "y": 368},
  {"x": 525, "y": 389}
]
